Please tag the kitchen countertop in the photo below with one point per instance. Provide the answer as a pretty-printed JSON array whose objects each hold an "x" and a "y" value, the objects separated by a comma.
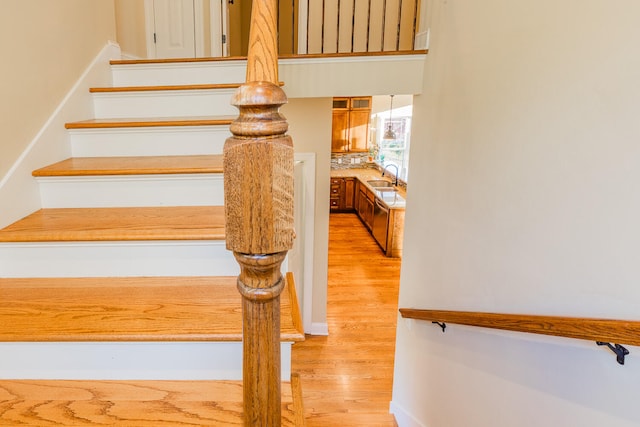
[{"x": 392, "y": 199}]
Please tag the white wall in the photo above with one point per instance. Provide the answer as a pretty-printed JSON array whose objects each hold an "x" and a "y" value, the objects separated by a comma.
[
  {"x": 53, "y": 50},
  {"x": 525, "y": 198},
  {"x": 45, "y": 46},
  {"x": 351, "y": 76},
  {"x": 130, "y": 26},
  {"x": 310, "y": 127}
]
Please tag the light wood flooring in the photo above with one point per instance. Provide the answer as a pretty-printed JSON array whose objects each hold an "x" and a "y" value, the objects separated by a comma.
[{"x": 347, "y": 377}]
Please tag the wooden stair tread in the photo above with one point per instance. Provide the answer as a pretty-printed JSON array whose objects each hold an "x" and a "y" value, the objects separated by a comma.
[
  {"x": 176, "y": 60},
  {"x": 118, "y": 224},
  {"x": 207, "y": 86},
  {"x": 281, "y": 56},
  {"x": 145, "y": 165},
  {"x": 134, "y": 403},
  {"x": 150, "y": 122},
  {"x": 131, "y": 309}
]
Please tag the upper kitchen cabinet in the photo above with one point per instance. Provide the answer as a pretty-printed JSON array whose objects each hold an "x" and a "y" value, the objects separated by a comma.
[{"x": 350, "y": 129}]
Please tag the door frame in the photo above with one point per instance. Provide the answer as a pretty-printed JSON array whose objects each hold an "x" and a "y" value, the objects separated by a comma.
[
  {"x": 219, "y": 14},
  {"x": 306, "y": 237},
  {"x": 216, "y": 33}
]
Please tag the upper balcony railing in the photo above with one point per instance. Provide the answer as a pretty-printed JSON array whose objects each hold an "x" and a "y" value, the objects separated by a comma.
[{"x": 348, "y": 26}]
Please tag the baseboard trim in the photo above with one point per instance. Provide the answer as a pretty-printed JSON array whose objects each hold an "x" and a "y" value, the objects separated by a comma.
[
  {"x": 318, "y": 329},
  {"x": 403, "y": 418}
]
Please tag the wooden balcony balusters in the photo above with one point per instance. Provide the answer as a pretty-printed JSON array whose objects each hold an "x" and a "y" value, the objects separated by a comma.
[
  {"x": 357, "y": 26},
  {"x": 258, "y": 185}
]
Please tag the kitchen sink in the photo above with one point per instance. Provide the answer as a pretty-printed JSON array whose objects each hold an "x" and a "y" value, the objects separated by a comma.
[{"x": 380, "y": 183}]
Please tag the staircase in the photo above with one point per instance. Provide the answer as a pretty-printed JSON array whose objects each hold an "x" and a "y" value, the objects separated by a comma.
[{"x": 118, "y": 299}]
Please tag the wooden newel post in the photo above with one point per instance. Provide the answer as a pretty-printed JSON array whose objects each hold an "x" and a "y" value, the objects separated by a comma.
[
  {"x": 258, "y": 185},
  {"x": 258, "y": 188}
]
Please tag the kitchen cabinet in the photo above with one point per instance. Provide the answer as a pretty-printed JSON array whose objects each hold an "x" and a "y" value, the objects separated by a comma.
[
  {"x": 395, "y": 233},
  {"x": 350, "y": 124},
  {"x": 366, "y": 200},
  {"x": 385, "y": 224},
  {"x": 342, "y": 194},
  {"x": 349, "y": 194},
  {"x": 381, "y": 212}
]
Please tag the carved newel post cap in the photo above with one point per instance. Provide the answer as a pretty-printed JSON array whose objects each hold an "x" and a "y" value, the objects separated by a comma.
[
  {"x": 258, "y": 173},
  {"x": 259, "y": 93}
]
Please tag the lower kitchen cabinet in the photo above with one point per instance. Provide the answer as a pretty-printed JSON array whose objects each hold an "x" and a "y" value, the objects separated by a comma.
[
  {"x": 385, "y": 224},
  {"x": 349, "y": 194},
  {"x": 365, "y": 206},
  {"x": 395, "y": 233},
  {"x": 342, "y": 194}
]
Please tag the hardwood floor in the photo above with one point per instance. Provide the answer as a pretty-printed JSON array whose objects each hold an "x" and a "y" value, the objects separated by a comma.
[{"x": 347, "y": 376}]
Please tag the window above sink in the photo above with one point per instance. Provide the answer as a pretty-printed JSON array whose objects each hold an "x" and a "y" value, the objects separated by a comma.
[{"x": 393, "y": 151}]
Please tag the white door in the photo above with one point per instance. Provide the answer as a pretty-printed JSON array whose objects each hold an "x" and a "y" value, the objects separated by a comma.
[{"x": 174, "y": 23}]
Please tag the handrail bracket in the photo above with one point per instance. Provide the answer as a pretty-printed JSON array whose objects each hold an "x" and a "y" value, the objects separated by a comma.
[
  {"x": 619, "y": 350},
  {"x": 441, "y": 324}
]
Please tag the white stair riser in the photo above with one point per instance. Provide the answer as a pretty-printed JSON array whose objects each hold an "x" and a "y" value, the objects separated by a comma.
[
  {"x": 153, "y": 141},
  {"x": 133, "y": 190},
  {"x": 171, "y": 103},
  {"x": 128, "y": 361},
  {"x": 111, "y": 259},
  {"x": 179, "y": 74}
]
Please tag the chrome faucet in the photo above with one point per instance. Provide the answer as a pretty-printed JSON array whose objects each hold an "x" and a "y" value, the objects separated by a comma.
[{"x": 397, "y": 172}]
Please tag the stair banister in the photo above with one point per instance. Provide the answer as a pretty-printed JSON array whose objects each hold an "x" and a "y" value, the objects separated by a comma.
[{"x": 258, "y": 187}]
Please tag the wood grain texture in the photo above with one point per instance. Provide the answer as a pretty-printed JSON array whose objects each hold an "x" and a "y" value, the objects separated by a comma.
[
  {"x": 213, "y": 86},
  {"x": 354, "y": 54},
  {"x": 348, "y": 375},
  {"x": 117, "y": 89},
  {"x": 295, "y": 309},
  {"x": 149, "y": 122},
  {"x": 143, "y": 165},
  {"x": 117, "y": 224},
  {"x": 395, "y": 234},
  {"x": 262, "y": 58},
  {"x": 129, "y": 403},
  {"x": 258, "y": 174},
  {"x": 261, "y": 284},
  {"x": 607, "y": 330},
  {"x": 298, "y": 400},
  {"x": 176, "y": 60},
  {"x": 129, "y": 309},
  {"x": 281, "y": 56}
]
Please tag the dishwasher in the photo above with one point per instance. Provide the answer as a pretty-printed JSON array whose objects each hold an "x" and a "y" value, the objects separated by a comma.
[{"x": 380, "y": 223}]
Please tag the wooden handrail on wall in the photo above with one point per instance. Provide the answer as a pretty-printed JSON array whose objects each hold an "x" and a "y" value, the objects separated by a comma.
[
  {"x": 603, "y": 331},
  {"x": 258, "y": 189}
]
